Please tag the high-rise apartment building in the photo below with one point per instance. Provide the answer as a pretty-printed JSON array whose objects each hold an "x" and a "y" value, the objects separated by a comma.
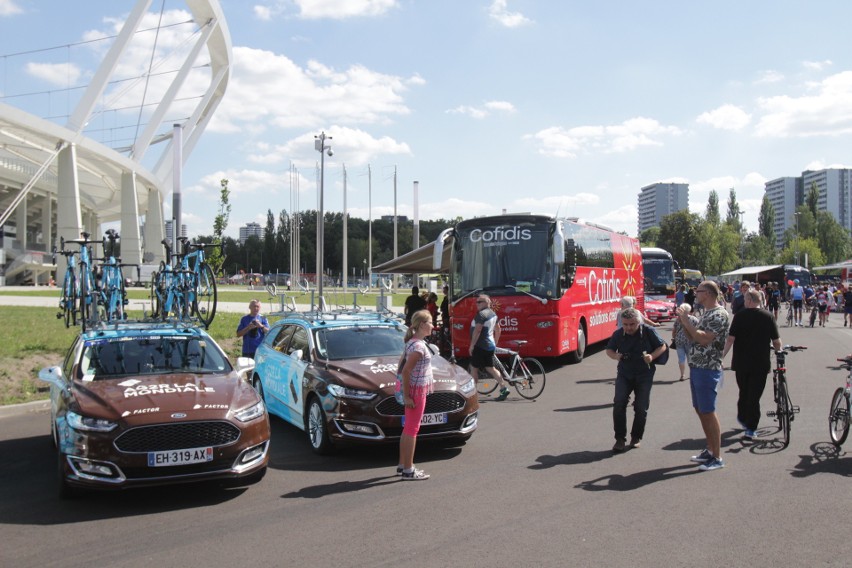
[
  {"x": 170, "y": 231},
  {"x": 660, "y": 199},
  {"x": 250, "y": 230},
  {"x": 835, "y": 196}
]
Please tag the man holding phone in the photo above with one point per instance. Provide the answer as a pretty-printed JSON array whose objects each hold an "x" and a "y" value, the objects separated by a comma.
[{"x": 253, "y": 328}]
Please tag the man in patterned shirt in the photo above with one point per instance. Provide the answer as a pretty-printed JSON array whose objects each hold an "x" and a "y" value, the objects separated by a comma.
[{"x": 705, "y": 364}]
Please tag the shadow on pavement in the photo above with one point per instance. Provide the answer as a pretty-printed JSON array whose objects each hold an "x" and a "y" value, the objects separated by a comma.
[
  {"x": 584, "y": 408},
  {"x": 575, "y": 458},
  {"x": 826, "y": 458},
  {"x": 618, "y": 482}
]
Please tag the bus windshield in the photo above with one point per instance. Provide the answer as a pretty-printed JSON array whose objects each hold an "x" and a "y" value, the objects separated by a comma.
[{"x": 507, "y": 258}]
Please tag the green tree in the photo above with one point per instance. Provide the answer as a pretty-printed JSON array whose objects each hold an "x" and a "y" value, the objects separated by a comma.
[
  {"x": 216, "y": 256},
  {"x": 712, "y": 213},
  {"x": 808, "y": 248},
  {"x": 766, "y": 222},
  {"x": 758, "y": 250},
  {"x": 833, "y": 239},
  {"x": 679, "y": 234},
  {"x": 649, "y": 237},
  {"x": 812, "y": 199},
  {"x": 733, "y": 217}
]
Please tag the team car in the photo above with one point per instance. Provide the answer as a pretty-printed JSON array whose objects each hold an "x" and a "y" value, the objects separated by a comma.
[
  {"x": 333, "y": 375},
  {"x": 139, "y": 404},
  {"x": 659, "y": 311}
]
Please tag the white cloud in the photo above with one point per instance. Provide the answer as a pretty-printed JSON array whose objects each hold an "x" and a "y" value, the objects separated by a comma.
[
  {"x": 262, "y": 12},
  {"x": 828, "y": 112},
  {"x": 816, "y": 165},
  {"x": 629, "y": 135},
  {"x": 60, "y": 74},
  {"x": 359, "y": 147},
  {"x": 726, "y": 117},
  {"x": 621, "y": 219},
  {"x": 499, "y": 12},
  {"x": 9, "y": 8},
  {"x": 485, "y": 110},
  {"x": 270, "y": 89},
  {"x": 817, "y": 65},
  {"x": 769, "y": 76},
  {"x": 340, "y": 9}
]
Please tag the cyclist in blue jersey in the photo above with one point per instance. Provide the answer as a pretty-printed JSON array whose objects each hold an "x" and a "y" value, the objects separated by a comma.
[{"x": 797, "y": 296}]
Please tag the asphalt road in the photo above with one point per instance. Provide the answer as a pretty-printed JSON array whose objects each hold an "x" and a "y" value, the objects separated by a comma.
[{"x": 537, "y": 485}]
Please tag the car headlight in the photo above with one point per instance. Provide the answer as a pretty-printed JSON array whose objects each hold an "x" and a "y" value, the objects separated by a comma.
[
  {"x": 250, "y": 413},
  {"x": 468, "y": 386},
  {"x": 345, "y": 392},
  {"x": 88, "y": 424}
]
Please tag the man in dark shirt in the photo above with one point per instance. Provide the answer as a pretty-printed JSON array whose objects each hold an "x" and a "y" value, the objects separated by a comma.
[
  {"x": 414, "y": 303},
  {"x": 739, "y": 299},
  {"x": 635, "y": 346},
  {"x": 847, "y": 305},
  {"x": 751, "y": 333}
]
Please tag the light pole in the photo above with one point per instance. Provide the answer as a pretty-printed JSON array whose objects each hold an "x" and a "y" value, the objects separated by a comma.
[{"x": 319, "y": 146}]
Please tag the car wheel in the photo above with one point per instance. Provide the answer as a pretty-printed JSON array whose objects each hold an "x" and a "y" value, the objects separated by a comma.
[
  {"x": 576, "y": 356},
  {"x": 258, "y": 386},
  {"x": 317, "y": 428}
]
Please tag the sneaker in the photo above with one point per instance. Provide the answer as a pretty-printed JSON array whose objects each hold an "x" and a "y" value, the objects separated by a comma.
[
  {"x": 416, "y": 475},
  {"x": 703, "y": 457},
  {"x": 635, "y": 442},
  {"x": 749, "y": 435},
  {"x": 399, "y": 470},
  {"x": 504, "y": 394},
  {"x": 619, "y": 445},
  {"x": 711, "y": 464}
]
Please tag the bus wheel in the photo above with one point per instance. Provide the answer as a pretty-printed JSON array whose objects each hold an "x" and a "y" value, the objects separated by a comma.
[{"x": 577, "y": 355}]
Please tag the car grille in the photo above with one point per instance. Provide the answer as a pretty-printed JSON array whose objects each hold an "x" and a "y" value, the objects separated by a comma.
[
  {"x": 163, "y": 437},
  {"x": 435, "y": 402}
]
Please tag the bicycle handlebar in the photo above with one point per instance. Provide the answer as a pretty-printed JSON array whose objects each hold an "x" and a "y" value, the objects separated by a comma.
[{"x": 793, "y": 348}]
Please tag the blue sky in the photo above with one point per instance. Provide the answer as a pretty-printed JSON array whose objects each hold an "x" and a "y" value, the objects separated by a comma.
[{"x": 517, "y": 105}]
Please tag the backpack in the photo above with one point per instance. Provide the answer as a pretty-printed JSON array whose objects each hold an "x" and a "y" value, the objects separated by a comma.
[{"x": 664, "y": 356}]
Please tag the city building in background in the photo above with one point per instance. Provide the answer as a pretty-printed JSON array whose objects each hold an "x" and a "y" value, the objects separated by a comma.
[
  {"x": 787, "y": 193},
  {"x": 250, "y": 230},
  {"x": 660, "y": 199},
  {"x": 170, "y": 232}
]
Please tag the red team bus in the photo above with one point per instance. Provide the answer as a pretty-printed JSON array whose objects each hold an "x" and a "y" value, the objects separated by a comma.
[{"x": 555, "y": 283}]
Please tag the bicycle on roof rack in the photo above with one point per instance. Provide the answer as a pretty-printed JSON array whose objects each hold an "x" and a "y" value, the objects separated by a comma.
[
  {"x": 184, "y": 286},
  {"x": 112, "y": 296},
  {"x": 85, "y": 300}
]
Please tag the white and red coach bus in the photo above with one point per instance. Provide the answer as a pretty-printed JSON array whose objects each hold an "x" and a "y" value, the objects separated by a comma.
[{"x": 556, "y": 283}]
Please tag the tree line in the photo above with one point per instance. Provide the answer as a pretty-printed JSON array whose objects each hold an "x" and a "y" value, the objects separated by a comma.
[
  {"x": 271, "y": 253},
  {"x": 715, "y": 246}
]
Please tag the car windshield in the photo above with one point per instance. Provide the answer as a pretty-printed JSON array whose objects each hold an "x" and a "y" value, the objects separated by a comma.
[
  {"x": 358, "y": 342},
  {"x": 109, "y": 358}
]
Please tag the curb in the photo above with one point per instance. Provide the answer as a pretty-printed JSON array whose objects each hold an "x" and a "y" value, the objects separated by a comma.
[{"x": 34, "y": 407}]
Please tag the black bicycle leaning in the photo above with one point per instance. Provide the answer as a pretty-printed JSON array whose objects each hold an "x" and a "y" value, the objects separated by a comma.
[
  {"x": 526, "y": 374},
  {"x": 785, "y": 411}
]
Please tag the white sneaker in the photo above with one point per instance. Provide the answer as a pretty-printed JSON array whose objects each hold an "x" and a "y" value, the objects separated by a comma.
[{"x": 416, "y": 475}]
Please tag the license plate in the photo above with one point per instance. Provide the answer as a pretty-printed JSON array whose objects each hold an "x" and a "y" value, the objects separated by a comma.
[
  {"x": 180, "y": 457},
  {"x": 429, "y": 419}
]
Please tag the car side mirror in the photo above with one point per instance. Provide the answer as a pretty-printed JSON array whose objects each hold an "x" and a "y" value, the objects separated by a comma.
[
  {"x": 52, "y": 375},
  {"x": 244, "y": 367},
  {"x": 297, "y": 354}
]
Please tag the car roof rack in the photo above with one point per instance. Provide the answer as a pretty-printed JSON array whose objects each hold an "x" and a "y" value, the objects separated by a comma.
[
  {"x": 347, "y": 315},
  {"x": 150, "y": 323}
]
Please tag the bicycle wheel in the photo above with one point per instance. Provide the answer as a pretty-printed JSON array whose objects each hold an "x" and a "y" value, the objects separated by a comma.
[
  {"x": 85, "y": 296},
  {"x": 69, "y": 299},
  {"x": 528, "y": 377},
  {"x": 204, "y": 302},
  {"x": 785, "y": 411},
  {"x": 155, "y": 295},
  {"x": 838, "y": 418},
  {"x": 485, "y": 383},
  {"x": 790, "y": 317}
]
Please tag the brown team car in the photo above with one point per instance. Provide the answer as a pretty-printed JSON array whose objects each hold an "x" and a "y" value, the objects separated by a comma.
[{"x": 143, "y": 404}]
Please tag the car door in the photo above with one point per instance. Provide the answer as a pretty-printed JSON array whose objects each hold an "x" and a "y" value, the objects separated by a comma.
[
  {"x": 272, "y": 368},
  {"x": 298, "y": 354}
]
